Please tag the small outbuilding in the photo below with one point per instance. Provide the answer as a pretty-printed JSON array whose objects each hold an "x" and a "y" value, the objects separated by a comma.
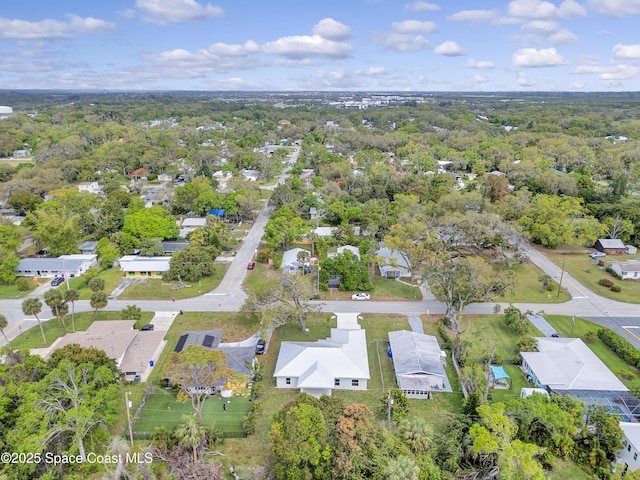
[{"x": 610, "y": 246}]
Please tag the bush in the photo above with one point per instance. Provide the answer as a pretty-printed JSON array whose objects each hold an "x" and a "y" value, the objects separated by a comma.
[
  {"x": 616, "y": 288},
  {"x": 605, "y": 282},
  {"x": 23, "y": 284},
  {"x": 589, "y": 337},
  {"x": 446, "y": 340},
  {"x": 621, "y": 347}
]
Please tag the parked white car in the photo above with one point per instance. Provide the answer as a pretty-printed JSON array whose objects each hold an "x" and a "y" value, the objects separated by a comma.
[
  {"x": 360, "y": 296},
  {"x": 595, "y": 255}
]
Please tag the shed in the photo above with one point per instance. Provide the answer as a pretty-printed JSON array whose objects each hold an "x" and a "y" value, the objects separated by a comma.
[{"x": 610, "y": 246}]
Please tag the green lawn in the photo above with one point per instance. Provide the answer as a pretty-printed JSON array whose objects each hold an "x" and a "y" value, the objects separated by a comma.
[
  {"x": 563, "y": 470},
  {"x": 587, "y": 272},
  {"x": 529, "y": 288},
  {"x": 162, "y": 409},
  {"x": 111, "y": 276},
  {"x": 158, "y": 289},
  {"x": 11, "y": 291},
  {"x": 32, "y": 338},
  {"x": 626, "y": 373}
]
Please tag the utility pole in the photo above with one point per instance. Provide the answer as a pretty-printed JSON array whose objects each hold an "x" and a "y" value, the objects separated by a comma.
[
  {"x": 389, "y": 405},
  {"x": 561, "y": 275},
  {"x": 126, "y": 396}
]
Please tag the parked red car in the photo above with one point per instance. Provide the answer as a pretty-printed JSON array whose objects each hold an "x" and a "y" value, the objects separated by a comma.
[{"x": 251, "y": 265}]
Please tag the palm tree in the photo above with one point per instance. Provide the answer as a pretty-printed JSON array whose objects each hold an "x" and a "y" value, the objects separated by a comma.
[
  {"x": 3, "y": 325},
  {"x": 33, "y": 306},
  {"x": 96, "y": 284},
  {"x": 71, "y": 296},
  {"x": 416, "y": 433},
  {"x": 190, "y": 434},
  {"x": 402, "y": 468},
  {"x": 54, "y": 299},
  {"x": 98, "y": 300}
]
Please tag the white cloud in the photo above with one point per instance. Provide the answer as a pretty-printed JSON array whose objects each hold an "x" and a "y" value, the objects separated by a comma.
[
  {"x": 233, "y": 84},
  {"x": 480, "y": 79},
  {"x": 616, "y": 8},
  {"x": 474, "y": 16},
  {"x": 479, "y": 64},
  {"x": 531, "y": 57},
  {"x": 450, "y": 49},
  {"x": 627, "y": 52},
  {"x": 549, "y": 31},
  {"x": 420, "y": 6},
  {"x": 544, "y": 9},
  {"x": 301, "y": 47},
  {"x": 577, "y": 85},
  {"x": 413, "y": 26},
  {"x": 340, "y": 79},
  {"x": 217, "y": 58},
  {"x": 21, "y": 29},
  {"x": 332, "y": 30},
  {"x": 164, "y": 12},
  {"x": 523, "y": 81},
  {"x": 401, "y": 42}
]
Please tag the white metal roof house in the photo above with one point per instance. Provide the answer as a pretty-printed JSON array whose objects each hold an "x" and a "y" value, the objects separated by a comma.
[
  {"x": 393, "y": 264},
  {"x": 627, "y": 458},
  {"x": 567, "y": 364},
  {"x": 317, "y": 368},
  {"x": 627, "y": 270},
  {"x": 418, "y": 363},
  {"x": 136, "y": 266},
  {"x": 194, "y": 222},
  {"x": 290, "y": 260},
  {"x": 67, "y": 265}
]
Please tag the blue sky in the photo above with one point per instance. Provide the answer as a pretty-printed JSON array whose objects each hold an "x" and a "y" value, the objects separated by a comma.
[{"x": 373, "y": 45}]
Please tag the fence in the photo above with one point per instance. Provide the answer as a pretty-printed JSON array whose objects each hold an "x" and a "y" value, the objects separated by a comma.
[{"x": 457, "y": 367}]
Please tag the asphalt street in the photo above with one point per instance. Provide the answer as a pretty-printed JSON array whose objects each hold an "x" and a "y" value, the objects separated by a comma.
[{"x": 229, "y": 296}]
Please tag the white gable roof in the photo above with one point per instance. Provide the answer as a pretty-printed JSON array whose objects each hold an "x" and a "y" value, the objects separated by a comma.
[
  {"x": 632, "y": 432},
  {"x": 144, "y": 264},
  {"x": 317, "y": 364},
  {"x": 568, "y": 364},
  {"x": 290, "y": 257}
]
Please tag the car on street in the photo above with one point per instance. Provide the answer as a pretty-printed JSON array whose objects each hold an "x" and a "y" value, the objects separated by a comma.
[
  {"x": 147, "y": 328},
  {"x": 557, "y": 335},
  {"x": 360, "y": 296},
  {"x": 260, "y": 346},
  {"x": 595, "y": 255},
  {"x": 57, "y": 281},
  {"x": 251, "y": 265}
]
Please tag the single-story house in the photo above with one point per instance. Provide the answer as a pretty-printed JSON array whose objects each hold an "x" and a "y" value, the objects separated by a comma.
[
  {"x": 136, "y": 266},
  {"x": 627, "y": 457},
  {"x": 627, "y": 270},
  {"x": 340, "y": 251},
  {"x": 393, "y": 264},
  {"x": 313, "y": 213},
  {"x": 165, "y": 177},
  {"x": 610, "y": 246},
  {"x": 71, "y": 265},
  {"x": 630, "y": 250},
  {"x": 88, "y": 247},
  {"x": 192, "y": 223},
  {"x": 139, "y": 174},
  {"x": 567, "y": 364},
  {"x": 317, "y": 368},
  {"x": 134, "y": 351},
  {"x": 173, "y": 247},
  {"x": 418, "y": 363},
  {"x": 324, "y": 231},
  {"x": 91, "y": 187},
  {"x": 251, "y": 175},
  {"x": 21, "y": 153},
  {"x": 290, "y": 260}
]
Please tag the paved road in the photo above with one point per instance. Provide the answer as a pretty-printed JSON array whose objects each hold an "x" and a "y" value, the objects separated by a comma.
[{"x": 228, "y": 297}]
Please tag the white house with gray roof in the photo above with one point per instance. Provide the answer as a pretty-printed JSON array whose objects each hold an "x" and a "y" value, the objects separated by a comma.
[{"x": 65, "y": 265}]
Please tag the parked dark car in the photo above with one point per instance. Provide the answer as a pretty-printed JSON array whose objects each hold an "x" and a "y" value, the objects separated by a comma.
[
  {"x": 260, "y": 346},
  {"x": 148, "y": 327},
  {"x": 57, "y": 281}
]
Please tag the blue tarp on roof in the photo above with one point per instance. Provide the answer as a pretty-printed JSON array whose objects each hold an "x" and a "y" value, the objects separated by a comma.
[
  {"x": 219, "y": 212},
  {"x": 498, "y": 372}
]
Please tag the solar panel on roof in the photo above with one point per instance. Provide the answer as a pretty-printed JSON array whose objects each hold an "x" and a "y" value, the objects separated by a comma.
[
  {"x": 208, "y": 341},
  {"x": 181, "y": 343}
]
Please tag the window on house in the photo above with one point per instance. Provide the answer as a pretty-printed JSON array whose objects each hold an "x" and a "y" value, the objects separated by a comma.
[
  {"x": 336, "y": 382},
  {"x": 629, "y": 448},
  {"x": 635, "y": 456},
  {"x": 287, "y": 381},
  {"x": 354, "y": 382}
]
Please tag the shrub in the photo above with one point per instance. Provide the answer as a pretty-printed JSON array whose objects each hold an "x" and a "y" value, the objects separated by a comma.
[
  {"x": 605, "y": 282},
  {"x": 446, "y": 340},
  {"x": 23, "y": 284},
  {"x": 621, "y": 347},
  {"x": 589, "y": 337},
  {"x": 616, "y": 288}
]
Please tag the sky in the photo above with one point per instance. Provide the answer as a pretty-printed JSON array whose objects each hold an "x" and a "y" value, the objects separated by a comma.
[{"x": 321, "y": 45}]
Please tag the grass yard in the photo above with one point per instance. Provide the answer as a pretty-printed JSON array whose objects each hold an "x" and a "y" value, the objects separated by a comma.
[
  {"x": 563, "y": 470},
  {"x": 163, "y": 410},
  {"x": 626, "y": 373},
  {"x": 112, "y": 278},
  {"x": 384, "y": 290},
  {"x": 529, "y": 288},
  {"x": 32, "y": 338},
  {"x": 587, "y": 272},
  {"x": 154, "y": 289},
  {"x": 9, "y": 292}
]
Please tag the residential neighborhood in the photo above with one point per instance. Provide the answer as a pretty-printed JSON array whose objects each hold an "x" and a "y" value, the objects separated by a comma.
[{"x": 251, "y": 285}]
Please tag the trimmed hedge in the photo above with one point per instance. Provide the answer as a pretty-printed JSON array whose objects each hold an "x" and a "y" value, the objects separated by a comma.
[
  {"x": 605, "y": 282},
  {"x": 621, "y": 347}
]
